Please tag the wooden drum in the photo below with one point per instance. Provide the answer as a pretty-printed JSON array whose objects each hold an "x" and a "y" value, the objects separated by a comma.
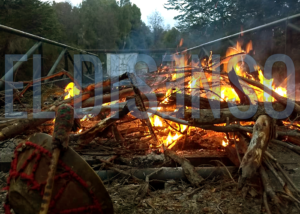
[{"x": 77, "y": 188}]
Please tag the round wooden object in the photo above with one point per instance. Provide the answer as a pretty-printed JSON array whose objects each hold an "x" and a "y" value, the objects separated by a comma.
[{"x": 71, "y": 194}]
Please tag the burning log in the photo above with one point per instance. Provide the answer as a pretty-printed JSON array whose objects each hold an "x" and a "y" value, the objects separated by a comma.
[
  {"x": 141, "y": 105},
  {"x": 106, "y": 82},
  {"x": 271, "y": 92},
  {"x": 263, "y": 132},
  {"x": 238, "y": 88},
  {"x": 90, "y": 134},
  {"x": 230, "y": 128},
  {"x": 278, "y": 97}
]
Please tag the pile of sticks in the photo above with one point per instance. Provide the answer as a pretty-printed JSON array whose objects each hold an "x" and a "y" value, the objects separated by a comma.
[{"x": 251, "y": 158}]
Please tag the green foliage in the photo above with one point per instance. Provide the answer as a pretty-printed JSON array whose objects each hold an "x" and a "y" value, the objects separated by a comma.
[
  {"x": 69, "y": 20},
  {"x": 94, "y": 24},
  {"x": 32, "y": 16},
  {"x": 172, "y": 38},
  {"x": 217, "y": 18}
]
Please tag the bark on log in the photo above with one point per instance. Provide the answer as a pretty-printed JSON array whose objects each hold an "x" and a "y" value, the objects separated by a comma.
[
  {"x": 287, "y": 145},
  {"x": 263, "y": 132},
  {"x": 294, "y": 140},
  {"x": 232, "y": 155},
  {"x": 106, "y": 82},
  {"x": 207, "y": 117},
  {"x": 18, "y": 126},
  {"x": 238, "y": 148},
  {"x": 168, "y": 173}
]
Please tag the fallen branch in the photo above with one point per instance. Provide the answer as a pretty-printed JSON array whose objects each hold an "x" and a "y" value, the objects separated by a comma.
[
  {"x": 189, "y": 170},
  {"x": 266, "y": 202},
  {"x": 106, "y": 82},
  {"x": 283, "y": 184},
  {"x": 145, "y": 187},
  {"x": 269, "y": 190},
  {"x": 282, "y": 171},
  {"x": 287, "y": 145}
]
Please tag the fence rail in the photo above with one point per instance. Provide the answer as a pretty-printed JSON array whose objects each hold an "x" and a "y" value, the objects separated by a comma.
[{"x": 39, "y": 46}]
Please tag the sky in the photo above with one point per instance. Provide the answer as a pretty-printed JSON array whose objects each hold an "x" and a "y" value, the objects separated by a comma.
[{"x": 147, "y": 8}]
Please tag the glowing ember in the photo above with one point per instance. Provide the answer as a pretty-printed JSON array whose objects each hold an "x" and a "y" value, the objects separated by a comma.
[
  {"x": 183, "y": 127},
  {"x": 168, "y": 93},
  {"x": 225, "y": 143},
  {"x": 87, "y": 117},
  {"x": 170, "y": 140},
  {"x": 156, "y": 121},
  {"x": 72, "y": 90}
]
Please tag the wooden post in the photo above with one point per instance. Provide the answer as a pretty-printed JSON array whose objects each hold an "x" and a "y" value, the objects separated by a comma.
[{"x": 41, "y": 52}]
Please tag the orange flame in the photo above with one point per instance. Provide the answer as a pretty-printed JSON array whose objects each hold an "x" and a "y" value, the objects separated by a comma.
[
  {"x": 156, "y": 121},
  {"x": 181, "y": 42},
  {"x": 270, "y": 84},
  {"x": 171, "y": 140},
  {"x": 72, "y": 90}
]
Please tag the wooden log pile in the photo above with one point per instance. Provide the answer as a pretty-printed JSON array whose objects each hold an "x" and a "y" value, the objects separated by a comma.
[{"x": 247, "y": 147}]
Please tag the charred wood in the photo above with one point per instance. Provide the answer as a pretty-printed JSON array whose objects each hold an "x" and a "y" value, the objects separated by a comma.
[{"x": 90, "y": 134}]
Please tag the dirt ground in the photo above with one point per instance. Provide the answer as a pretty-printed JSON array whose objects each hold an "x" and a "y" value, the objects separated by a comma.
[{"x": 216, "y": 196}]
